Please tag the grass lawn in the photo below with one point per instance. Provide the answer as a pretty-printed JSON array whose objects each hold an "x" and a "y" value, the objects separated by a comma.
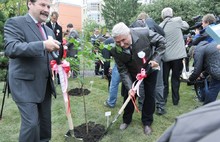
[{"x": 10, "y": 123}]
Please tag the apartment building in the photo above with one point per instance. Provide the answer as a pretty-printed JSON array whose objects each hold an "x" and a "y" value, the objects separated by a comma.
[
  {"x": 94, "y": 8},
  {"x": 70, "y": 11},
  {"x": 77, "y": 11}
]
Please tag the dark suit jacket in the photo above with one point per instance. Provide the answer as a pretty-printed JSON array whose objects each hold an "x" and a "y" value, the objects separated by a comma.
[
  {"x": 29, "y": 69},
  {"x": 143, "y": 39},
  {"x": 107, "y": 54},
  {"x": 71, "y": 52},
  {"x": 57, "y": 31},
  {"x": 154, "y": 26}
]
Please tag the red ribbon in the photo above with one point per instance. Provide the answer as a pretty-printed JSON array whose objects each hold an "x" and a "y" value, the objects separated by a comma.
[
  {"x": 144, "y": 60},
  {"x": 135, "y": 86},
  {"x": 141, "y": 75},
  {"x": 65, "y": 65},
  {"x": 133, "y": 101},
  {"x": 66, "y": 68}
]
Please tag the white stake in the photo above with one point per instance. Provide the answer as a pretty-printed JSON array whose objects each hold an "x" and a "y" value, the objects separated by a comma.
[{"x": 107, "y": 114}]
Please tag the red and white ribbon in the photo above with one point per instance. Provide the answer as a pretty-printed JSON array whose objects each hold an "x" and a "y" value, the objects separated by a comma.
[
  {"x": 140, "y": 76},
  {"x": 135, "y": 86},
  {"x": 63, "y": 69}
]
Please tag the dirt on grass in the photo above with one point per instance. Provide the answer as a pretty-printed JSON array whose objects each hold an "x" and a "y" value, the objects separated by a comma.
[
  {"x": 78, "y": 92},
  {"x": 95, "y": 131}
]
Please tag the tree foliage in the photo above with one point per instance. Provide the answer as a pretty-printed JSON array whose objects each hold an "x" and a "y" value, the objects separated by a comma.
[
  {"x": 208, "y": 6},
  {"x": 187, "y": 9},
  {"x": 183, "y": 8},
  {"x": 2, "y": 21},
  {"x": 115, "y": 11},
  {"x": 10, "y": 8},
  {"x": 13, "y": 8}
]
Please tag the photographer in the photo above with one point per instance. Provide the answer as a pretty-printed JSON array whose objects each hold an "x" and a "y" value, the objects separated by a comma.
[{"x": 207, "y": 61}]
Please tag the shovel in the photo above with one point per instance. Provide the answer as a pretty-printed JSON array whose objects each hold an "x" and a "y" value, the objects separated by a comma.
[
  {"x": 63, "y": 79},
  {"x": 147, "y": 72},
  {"x": 119, "y": 113}
]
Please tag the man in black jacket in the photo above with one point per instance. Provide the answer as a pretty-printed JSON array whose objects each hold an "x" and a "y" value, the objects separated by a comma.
[
  {"x": 57, "y": 29},
  {"x": 207, "y": 62},
  {"x": 132, "y": 53},
  {"x": 143, "y": 20}
]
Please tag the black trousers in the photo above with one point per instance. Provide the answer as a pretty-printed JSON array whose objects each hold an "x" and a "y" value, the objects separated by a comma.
[
  {"x": 148, "y": 103},
  {"x": 176, "y": 66}
]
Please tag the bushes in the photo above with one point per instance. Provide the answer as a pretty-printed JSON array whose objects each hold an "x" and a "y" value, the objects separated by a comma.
[
  {"x": 2, "y": 74},
  {"x": 3, "y": 67}
]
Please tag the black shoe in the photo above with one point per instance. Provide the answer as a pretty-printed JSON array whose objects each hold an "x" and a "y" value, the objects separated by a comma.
[{"x": 160, "y": 111}]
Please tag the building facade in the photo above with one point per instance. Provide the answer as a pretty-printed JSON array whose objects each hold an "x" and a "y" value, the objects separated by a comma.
[
  {"x": 70, "y": 12},
  {"x": 94, "y": 11},
  {"x": 77, "y": 11}
]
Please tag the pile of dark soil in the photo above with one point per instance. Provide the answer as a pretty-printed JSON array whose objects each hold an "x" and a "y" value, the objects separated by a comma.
[
  {"x": 95, "y": 132},
  {"x": 78, "y": 92}
]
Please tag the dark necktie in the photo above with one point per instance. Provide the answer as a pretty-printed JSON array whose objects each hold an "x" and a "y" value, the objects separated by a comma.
[
  {"x": 41, "y": 30},
  {"x": 53, "y": 26}
]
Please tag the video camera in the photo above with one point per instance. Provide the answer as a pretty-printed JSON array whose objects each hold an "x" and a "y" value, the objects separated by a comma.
[{"x": 198, "y": 22}]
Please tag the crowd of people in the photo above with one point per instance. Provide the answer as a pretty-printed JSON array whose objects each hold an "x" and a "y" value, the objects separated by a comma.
[{"x": 160, "y": 49}]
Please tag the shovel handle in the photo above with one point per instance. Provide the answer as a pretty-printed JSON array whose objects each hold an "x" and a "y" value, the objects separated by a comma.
[{"x": 124, "y": 105}]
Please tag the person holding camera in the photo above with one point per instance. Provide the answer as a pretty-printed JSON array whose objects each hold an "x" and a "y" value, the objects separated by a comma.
[
  {"x": 207, "y": 62},
  {"x": 28, "y": 44}
]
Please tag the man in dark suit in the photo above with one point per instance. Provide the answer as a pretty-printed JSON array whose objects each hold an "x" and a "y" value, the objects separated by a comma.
[
  {"x": 57, "y": 29},
  {"x": 143, "y": 20},
  {"x": 28, "y": 44},
  {"x": 137, "y": 48}
]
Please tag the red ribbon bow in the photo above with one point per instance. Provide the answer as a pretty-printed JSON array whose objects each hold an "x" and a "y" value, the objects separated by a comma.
[
  {"x": 141, "y": 75},
  {"x": 65, "y": 65}
]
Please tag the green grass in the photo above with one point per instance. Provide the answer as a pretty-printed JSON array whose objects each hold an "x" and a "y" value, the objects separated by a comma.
[{"x": 10, "y": 123}]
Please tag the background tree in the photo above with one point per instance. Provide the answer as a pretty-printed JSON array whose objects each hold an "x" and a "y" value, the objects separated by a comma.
[
  {"x": 2, "y": 21},
  {"x": 183, "y": 8},
  {"x": 10, "y": 8},
  {"x": 115, "y": 11},
  {"x": 208, "y": 6},
  {"x": 187, "y": 9}
]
